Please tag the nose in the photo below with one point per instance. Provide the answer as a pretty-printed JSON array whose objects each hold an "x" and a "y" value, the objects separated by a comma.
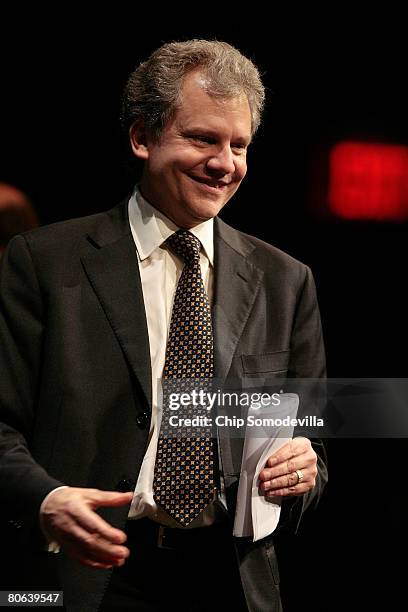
[{"x": 221, "y": 162}]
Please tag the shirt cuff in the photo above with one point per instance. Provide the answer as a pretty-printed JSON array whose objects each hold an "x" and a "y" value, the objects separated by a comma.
[{"x": 51, "y": 546}]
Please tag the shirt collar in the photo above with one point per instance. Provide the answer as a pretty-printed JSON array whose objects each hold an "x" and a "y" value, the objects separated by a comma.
[{"x": 150, "y": 228}]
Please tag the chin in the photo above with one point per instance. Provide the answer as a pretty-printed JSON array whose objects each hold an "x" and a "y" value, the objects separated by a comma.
[{"x": 204, "y": 213}]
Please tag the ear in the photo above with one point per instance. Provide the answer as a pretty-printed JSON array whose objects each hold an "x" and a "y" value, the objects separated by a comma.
[{"x": 138, "y": 140}]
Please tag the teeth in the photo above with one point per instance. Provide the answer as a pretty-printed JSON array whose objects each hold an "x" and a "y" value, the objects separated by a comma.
[{"x": 215, "y": 185}]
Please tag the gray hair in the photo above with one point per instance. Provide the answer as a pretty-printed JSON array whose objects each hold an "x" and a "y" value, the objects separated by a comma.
[{"x": 153, "y": 90}]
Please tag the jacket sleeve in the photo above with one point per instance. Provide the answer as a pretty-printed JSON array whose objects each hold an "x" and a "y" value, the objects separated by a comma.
[
  {"x": 307, "y": 361},
  {"x": 23, "y": 483}
]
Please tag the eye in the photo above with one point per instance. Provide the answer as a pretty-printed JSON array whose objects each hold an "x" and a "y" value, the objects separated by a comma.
[
  {"x": 204, "y": 139},
  {"x": 239, "y": 147}
]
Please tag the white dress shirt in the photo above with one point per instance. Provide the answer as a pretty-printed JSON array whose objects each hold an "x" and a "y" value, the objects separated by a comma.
[{"x": 160, "y": 270}]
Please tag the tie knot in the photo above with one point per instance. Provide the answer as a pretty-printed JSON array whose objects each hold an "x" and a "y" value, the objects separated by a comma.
[{"x": 185, "y": 245}]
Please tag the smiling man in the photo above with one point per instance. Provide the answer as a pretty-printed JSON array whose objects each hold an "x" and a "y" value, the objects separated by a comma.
[
  {"x": 199, "y": 160},
  {"x": 95, "y": 311}
]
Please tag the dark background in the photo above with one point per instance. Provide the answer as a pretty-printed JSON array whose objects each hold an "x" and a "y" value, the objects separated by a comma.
[{"x": 61, "y": 80}]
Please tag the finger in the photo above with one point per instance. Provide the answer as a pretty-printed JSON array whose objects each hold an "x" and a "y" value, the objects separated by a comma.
[
  {"x": 286, "y": 481},
  {"x": 109, "y": 498},
  {"x": 85, "y": 544},
  {"x": 299, "y": 489},
  {"x": 96, "y": 553},
  {"x": 93, "y": 523},
  {"x": 88, "y": 561},
  {"x": 92, "y": 562},
  {"x": 287, "y": 467},
  {"x": 96, "y": 565},
  {"x": 100, "y": 550},
  {"x": 289, "y": 450},
  {"x": 284, "y": 453}
]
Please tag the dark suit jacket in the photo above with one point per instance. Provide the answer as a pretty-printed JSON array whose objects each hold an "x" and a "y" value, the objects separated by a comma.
[{"x": 76, "y": 382}]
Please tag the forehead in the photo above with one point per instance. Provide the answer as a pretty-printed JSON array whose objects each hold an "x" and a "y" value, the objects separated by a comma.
[{"x": 197, "y": 106}]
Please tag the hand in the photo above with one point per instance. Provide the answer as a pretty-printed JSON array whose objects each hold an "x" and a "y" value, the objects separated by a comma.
[
  {"x": 69, "y": 518},
  {"x": 291, "y": 470}
]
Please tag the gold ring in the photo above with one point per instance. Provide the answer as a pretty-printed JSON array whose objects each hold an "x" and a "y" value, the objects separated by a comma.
[{"x": 300, "y": 476}]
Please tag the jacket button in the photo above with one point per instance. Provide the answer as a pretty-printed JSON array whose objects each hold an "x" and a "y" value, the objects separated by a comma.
[
  {"x": 125, "y": 485},
  {"x": 141, "y": 420}
]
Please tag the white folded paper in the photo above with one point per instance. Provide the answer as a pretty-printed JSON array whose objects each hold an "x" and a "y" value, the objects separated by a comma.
[{"x": 256, "y": 515}]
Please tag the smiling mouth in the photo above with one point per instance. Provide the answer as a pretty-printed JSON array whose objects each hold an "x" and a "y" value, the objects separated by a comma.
[{"x": 209, "y": 183}]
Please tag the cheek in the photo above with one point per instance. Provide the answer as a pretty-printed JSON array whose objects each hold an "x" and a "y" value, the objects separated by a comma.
[{"x": 241, "y": 169}]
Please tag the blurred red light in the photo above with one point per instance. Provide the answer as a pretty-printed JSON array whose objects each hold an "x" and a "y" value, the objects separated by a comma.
[{"x": 369, "y": 181}]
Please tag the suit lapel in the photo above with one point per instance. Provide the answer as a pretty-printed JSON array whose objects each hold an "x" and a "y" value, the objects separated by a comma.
[
  {"x": 237, "y": 283},
  {"x": 111, "y": 264}
]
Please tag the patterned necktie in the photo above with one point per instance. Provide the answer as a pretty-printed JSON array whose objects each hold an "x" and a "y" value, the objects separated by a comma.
[{"x": 184, "y": 471}]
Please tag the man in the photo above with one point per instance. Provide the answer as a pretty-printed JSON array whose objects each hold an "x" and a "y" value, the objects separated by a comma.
[{"x": 87, "y": 306}]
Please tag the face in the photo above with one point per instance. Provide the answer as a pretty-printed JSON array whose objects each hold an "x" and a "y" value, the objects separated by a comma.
[{"x": 200, "y": 159}]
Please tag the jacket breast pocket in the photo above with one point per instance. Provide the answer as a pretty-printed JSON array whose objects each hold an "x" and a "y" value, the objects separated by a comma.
[{"x": 275, "y": 364}]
